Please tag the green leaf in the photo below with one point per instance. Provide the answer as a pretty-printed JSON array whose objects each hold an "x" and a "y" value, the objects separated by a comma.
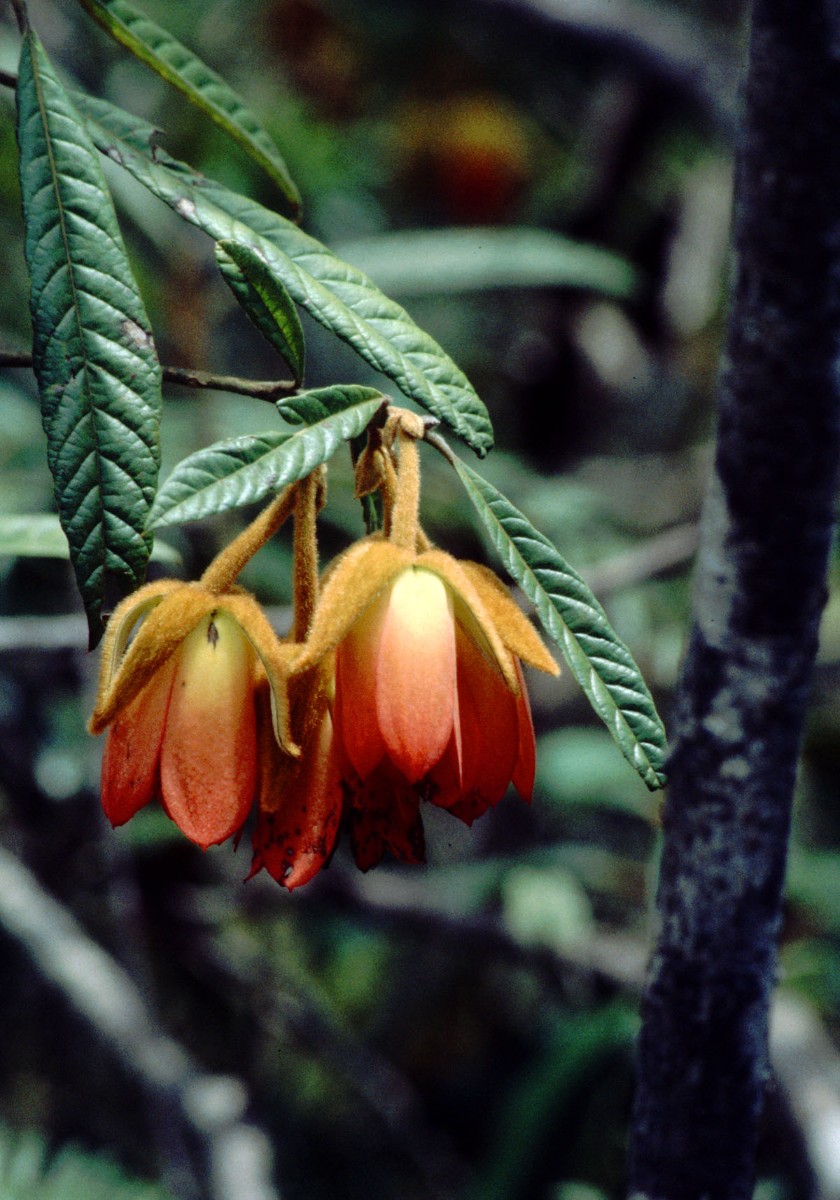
[
  {"x": 245, "y": 470},
  {"x": 434, "y": 262},
  {"x": 201, "y": 85},
  {"x": 337, "y": 295},
  {"x": 39, "y": 535},
  {"x": 308, "y": 408},
  {"x": 570, "y": 614},
  {"x": 93, "y": 352},
  {"x": 265, "y": 300}
]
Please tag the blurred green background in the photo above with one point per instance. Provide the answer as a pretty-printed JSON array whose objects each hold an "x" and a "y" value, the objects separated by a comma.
[{"x": 463, "y": 1030}]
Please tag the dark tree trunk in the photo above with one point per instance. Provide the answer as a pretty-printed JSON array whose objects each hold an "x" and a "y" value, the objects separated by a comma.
[{"x": 760, "y": 589}]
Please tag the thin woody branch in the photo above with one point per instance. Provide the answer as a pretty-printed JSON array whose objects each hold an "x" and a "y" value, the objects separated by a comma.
[{"x": 258, "y": 389}]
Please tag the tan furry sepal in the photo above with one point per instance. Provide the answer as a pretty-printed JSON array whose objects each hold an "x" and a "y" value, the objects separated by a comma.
[
  {"x": 515, "y": 630},
  {"x": 353, "y": 582},
  {"x": 170, "y": 611}
]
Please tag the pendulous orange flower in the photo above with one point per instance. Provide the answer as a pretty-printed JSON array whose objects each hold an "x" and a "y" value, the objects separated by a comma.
[
  {"x": 178, "y": 702},
  {"x": 430, "y": 702}
]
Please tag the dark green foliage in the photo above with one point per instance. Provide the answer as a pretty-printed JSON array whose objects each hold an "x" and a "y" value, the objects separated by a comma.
[{"x": 93, "y": 350}]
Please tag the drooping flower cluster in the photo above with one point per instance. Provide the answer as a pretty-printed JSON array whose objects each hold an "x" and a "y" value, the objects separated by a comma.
[{"x": 401, "y": 684}]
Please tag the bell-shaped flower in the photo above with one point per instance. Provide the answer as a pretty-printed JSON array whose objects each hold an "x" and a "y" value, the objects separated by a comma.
[
  {"x": 178, "y": 702},
  {"x": 429, "y": 701}
]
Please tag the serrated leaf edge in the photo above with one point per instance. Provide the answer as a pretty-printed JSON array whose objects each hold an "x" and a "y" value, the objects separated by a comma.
[
  {"x": 123, "y": 24},
  {"x": 160, "y": 517},
  {"x": 380, "y": 345}
]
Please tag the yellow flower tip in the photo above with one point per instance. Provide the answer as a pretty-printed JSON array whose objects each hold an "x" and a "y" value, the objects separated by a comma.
[
  {"x": 429, "y": 702},
  {"x": 208, "y": 752},
  {"x": 409, "y": 687},
  {"x": 415, "y": 672}
]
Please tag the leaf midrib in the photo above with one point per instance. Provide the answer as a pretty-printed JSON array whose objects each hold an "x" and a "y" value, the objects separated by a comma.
[{"x": 54, "y": 173}]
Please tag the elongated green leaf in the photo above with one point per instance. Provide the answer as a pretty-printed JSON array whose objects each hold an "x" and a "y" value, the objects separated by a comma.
[
  {"x": 266, "y": 302},
  {"x": 198, "y": 82},
  {"x": 308, "y": 408},
  {"x": 246, "y": 469},
  {"x": 571, "y": 615},
  {"x": 439, "y": 261},
  {"x": 94, "y": 356},
  {"x": 39, "y": 535},
  {"x": 336, "y": 294}
]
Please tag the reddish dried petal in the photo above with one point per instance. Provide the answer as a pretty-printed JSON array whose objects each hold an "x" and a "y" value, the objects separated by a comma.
[
  {"x": 295, "y": 838},
  {"x": 385, "y": 815},
  {"x": 208, "y": 757},
  {"x": 469, "y": 807},
  {"x": 132, "y": 750},
  {"x": 356, "y": 725},
  {"x": 415, "y": 673}
]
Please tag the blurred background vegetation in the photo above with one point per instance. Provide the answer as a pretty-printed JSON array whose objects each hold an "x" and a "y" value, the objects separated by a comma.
[{"x": 464, "y": 1030}]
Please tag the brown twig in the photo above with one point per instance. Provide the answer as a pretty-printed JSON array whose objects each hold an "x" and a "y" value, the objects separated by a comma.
[{"x": 259, "y": 389}]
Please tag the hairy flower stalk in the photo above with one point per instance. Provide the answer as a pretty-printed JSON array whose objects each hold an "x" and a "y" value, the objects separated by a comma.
[
  {"x": 179, "y": 697},
  {"x": 407, "y": 688}
]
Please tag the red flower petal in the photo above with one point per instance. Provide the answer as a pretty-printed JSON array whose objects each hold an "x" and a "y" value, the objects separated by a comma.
[
  {"x": 489, "y": 733},
  {"x": 208, "y": 758},
  {"x": 442, "y": 785},
  {"x": 526, "y": 761},
  {"x": 132, "y": 749},
  {"x": 385, "y": 815},
  {"x": 356, "y": 724},
  {"x": 295, "y": 841},
  {"x": 415, "y": 673}
]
